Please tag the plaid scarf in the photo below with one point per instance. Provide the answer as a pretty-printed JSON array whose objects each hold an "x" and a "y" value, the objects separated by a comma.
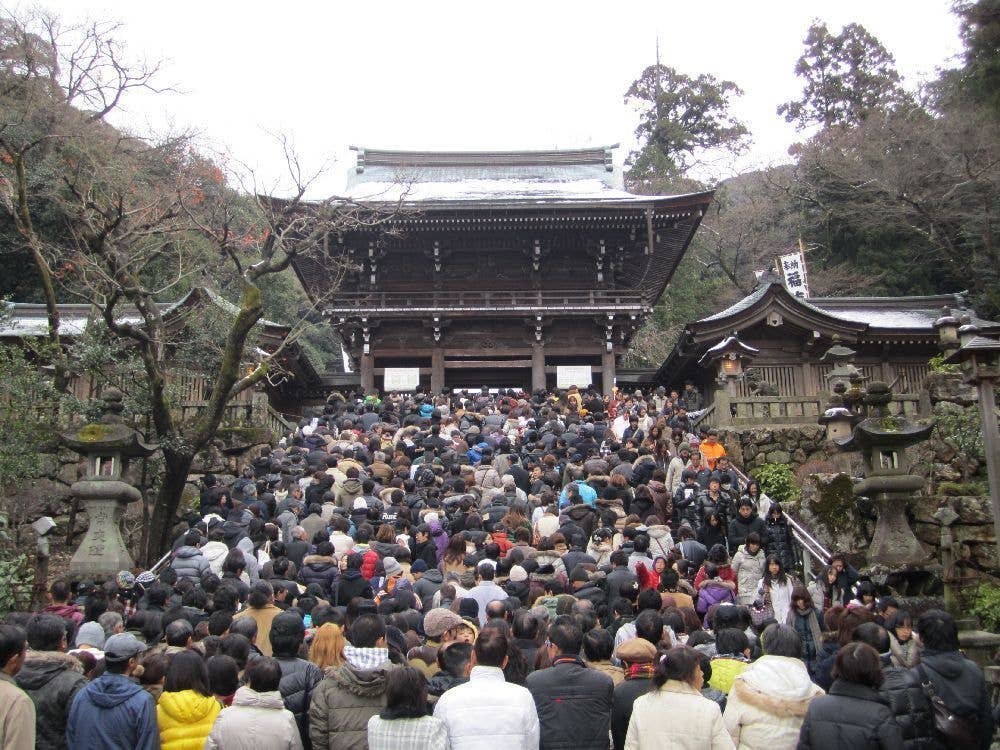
[
  {"x": 639, "y": 671},
  {"x": 365, "y": 658}
]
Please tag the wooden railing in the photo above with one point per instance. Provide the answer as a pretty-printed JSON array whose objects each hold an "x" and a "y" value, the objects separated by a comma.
[
  {"x": 359, "y": 302},
  {"x": 776, "y": 410}
]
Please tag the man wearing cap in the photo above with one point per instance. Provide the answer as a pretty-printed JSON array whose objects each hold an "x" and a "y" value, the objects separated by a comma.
[
  {"x": 638, "y": 658},
  {"x": 113, "y": 711},
  {"x": 441, "y": 626}
]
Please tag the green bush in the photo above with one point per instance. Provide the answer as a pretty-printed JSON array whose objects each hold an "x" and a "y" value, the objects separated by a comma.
[
  {"x": 778, "y": 482},
  {"x": 986, "y": 606},
  {"x": 16, "y": 579},
  {"x": 964, "y": 430},
  {"x": 937, "y": 364}
]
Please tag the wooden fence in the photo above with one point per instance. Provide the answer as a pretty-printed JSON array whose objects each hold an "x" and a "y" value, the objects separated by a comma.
[{"x": 776, "y": 410}]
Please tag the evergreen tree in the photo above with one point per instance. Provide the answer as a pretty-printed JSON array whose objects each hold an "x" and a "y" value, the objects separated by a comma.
[{"x": 847, "y": 76}]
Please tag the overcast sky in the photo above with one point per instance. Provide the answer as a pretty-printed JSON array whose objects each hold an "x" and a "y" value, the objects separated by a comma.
[{"x": 465, "y": 75}]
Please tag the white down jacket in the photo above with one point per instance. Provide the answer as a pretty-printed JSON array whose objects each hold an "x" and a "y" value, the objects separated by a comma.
[{"x": 768, "y": 703}]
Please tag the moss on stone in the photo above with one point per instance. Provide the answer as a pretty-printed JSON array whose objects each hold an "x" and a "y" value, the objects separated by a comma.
[
  {"x": 833, "y": 503},
  {"x": 93, "y": 432}
]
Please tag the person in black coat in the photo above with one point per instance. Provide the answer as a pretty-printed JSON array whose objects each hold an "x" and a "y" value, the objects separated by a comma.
[
  {"x": 320, "y": 568},
  {"x": 351, "y": 583},
  {"x": 780, "y": 539},
  {"x": 958, "y": 681},
  {"x": 638, "y": 657},
  {"x": 423, "y": 547},
  {"x": 298, "y": 676},
  {"x": 854, "y": 714},
  {"x": 573, "y": 701},
  {"x": 745, "y": 523}
]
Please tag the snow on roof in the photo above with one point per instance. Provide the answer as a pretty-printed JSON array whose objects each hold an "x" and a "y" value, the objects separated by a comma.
[
  {"x": 512, "y": 176},
  {"x": 28, "y": 320}
]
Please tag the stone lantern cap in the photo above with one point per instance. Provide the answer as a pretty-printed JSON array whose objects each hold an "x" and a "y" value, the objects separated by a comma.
[
  {"x": 895, "y": 432},
  {"x": 837, "y": 351},
  {"x": 977, "y": 345},
  {"x": 109, "y": 434}
]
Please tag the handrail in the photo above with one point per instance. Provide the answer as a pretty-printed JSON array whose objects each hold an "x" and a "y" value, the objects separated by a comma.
[
  {"x": 806, "y": 540},
  {"x": 703, "y": 415},
  {"x": 626, "y": 298}
]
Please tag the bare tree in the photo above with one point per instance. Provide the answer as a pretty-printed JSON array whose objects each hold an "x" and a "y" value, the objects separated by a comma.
[{"x": 140, "y": 219}]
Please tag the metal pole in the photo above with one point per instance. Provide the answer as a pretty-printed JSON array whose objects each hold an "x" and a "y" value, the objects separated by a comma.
[{"x": 991, "y": 442}]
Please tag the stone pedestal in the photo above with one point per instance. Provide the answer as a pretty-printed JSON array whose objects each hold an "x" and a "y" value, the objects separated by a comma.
[
  {"x": 893, "y": 543},
  {"x": 102, "y": 552}
]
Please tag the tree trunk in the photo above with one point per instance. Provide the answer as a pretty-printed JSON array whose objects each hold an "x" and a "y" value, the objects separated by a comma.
[{"x": 168, "y": 499}]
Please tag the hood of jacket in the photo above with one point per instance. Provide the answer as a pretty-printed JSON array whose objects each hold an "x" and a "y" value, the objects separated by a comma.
[
  {"x": 777, "y": 685},
  {"x": 433, "y": 575},
  {"x": 658, "y": 531},
  {"x": 351, "y": 574},
  {"x": 352, "y": 486},
  {"x": 187, "y": 552},
  {"x": 66, "y": 611},
  {"x": 362, "y": 683},
  {"x": 110, "y": 690},
  {"x": 187, "y": 706},
  {"x": 246, "y": 697},
  {"x": 948, "y": 664},
  {"x": 435, "y": 528},
  {"x": 41, "y": 667},
  {"x": 214, "y": 551},
  {"x": 319, "y": 563},
  {"x": 657, "y": 487}
]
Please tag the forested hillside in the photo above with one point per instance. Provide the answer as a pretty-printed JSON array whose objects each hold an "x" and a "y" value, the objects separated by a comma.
[{"x": 893, "y": 189}]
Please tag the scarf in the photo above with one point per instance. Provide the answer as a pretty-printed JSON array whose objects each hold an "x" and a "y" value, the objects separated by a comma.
[{"x": 639, "y": 671}]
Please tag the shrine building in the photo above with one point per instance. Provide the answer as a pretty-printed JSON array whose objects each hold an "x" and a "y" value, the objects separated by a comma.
[{"x": 497, "y": 268}]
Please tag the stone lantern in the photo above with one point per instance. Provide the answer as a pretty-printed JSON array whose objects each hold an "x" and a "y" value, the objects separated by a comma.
[
  {"x": 842, "y": 370},
  {"x": 106, "y": 446},
  {"x": 947, "y": 330},
  {"x": 729, "y": 357},
  {"x": 979, "y": 359},
  {"x": 882, "y": 438}
]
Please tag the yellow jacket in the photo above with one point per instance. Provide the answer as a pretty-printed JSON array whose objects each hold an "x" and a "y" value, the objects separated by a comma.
[{"x": 185, "y": 719}]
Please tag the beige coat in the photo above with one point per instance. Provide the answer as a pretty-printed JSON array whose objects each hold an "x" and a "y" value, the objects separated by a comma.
[
  {"x": 17, "y": 716},
  {"x": 255, "y": 721},
  {"x": 768, "y": 703},
  {"x": 676, "y": 717}
]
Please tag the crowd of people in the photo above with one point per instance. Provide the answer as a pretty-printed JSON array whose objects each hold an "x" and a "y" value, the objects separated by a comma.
[{"x": 494, "y": 569}]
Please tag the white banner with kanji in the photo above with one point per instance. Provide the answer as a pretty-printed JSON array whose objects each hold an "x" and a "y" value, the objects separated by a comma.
[{"x": 793, "y": 273}]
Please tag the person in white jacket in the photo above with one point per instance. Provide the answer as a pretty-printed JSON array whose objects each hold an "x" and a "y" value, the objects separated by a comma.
[
  {"x": 257, "y": 719},
  {"x": 768, "y": 701},
  {"x": 487, "y": 712},
  {"x": 674, "y": 715}
]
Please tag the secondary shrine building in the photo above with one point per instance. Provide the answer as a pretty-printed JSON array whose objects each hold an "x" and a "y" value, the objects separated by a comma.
[{"x": 496, "y": 268}]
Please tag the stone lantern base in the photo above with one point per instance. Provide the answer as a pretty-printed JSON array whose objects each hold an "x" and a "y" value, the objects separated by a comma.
[{"x": 102, "y": 553}]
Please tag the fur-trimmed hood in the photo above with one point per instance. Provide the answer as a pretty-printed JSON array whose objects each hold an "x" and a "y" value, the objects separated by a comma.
[{"x": 777, "y": 685}]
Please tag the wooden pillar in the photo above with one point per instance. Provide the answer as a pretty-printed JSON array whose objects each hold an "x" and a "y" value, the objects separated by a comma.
[
  {"x": 537, "y": 367},
  {"x": 367, "y": 373},
  {"x": 607, "y": 372},
  {"x": 437, "y": 370}
]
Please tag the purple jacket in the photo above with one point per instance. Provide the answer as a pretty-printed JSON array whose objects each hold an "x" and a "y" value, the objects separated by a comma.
[
  {"x": 439, "y": 537},
  {"x": 712, "y": 595}
]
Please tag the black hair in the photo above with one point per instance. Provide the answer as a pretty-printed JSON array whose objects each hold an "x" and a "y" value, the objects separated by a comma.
[
  {"x": 187, "y": 671},
  {"x": 678, "y": 663},
  {"x": 873, "y": 634},
  {"x": 245, "y": 626},
  {"x": 453, "y": 657},
  {"x": 46, "y": 632},
  {"x": 219, "y": 622},
  {"x": 898, "y": 619},
  {"x": 781, "y": 640},
  {"x": 237, "y": 646},
  {"x": 491, "y": 647},
  {"x": 405, "y": 694},
  {"x": 649, "y": 625},
  {"x": 12, "y": 643},
  {"x": 366, "y": 630},
  {"x": 178, "y": 632},
  {"x": 525, "y": 625},
  {"x": 285, "y": 642},
  {"x": 731, "y": 641},
  {"x": 260, "y": 594},
  {"x": 566, "y": 635},
  {"x": 263, "y": 674},
  {"x": 223, "y": 674},
  {"x": 598, "y": 644},
  {"x": 859, "y": 663}
]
